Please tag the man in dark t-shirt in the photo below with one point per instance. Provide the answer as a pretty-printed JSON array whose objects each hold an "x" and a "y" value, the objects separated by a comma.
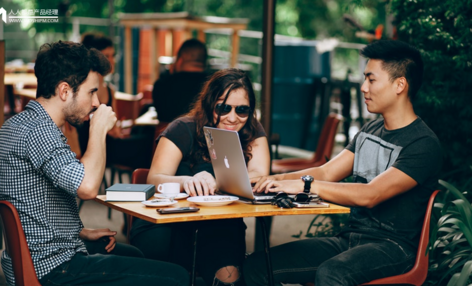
[
  {"x": 173, "y": 95},
  {"x": 394, "y": 161}
]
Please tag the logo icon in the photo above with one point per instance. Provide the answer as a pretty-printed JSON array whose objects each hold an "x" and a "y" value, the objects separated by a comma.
[
  {"x": 226, "y": 162},
  {"x": 4, "y": 14}
]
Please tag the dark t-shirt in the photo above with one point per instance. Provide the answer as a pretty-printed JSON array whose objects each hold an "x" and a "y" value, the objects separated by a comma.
[
  {"x": 414, "y": 150},
  {"x": 182, "y": 132},
  {"x": 174, "y": 95}
]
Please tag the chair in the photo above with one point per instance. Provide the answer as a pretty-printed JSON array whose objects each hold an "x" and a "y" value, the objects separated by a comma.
[
  {"x": 417, "y": 275},
  {"x": 159, "y": 129},
  {"x": 147, "y": 96},
  {"x": 16, "y": 246},
  {"x": 127, "y": 106},
  {"x": 139, "y": 177},
  {"x": 323, "y": 150}
]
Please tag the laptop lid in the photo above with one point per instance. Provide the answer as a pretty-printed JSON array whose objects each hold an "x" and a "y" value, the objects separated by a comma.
[{"x": 229, "y": 165}]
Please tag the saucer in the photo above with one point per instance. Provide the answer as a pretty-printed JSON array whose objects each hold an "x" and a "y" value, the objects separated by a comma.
[
  {"x": 175, "y": 196},
  {"x": 213, "y": 201},
  {"x": 159, "y": 203}
]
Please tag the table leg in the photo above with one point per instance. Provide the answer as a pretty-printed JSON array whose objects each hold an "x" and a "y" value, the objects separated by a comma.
[
  {"x": 266, "y": 250},
  {"x": 194, "y": 262},
  {"x": 259, "y": 239}
]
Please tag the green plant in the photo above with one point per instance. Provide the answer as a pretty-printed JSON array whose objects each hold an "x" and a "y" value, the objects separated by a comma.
[
  {"x": 441, "y": 30},
  {"x": 451, "y": 239}
]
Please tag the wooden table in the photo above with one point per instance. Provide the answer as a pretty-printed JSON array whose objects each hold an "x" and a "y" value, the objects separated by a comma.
[
  {"x": 235, "y": 210},
  {"x": 24, "y": 78}
]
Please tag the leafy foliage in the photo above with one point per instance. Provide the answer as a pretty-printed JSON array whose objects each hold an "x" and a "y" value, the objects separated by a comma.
[
  {"x": 451, "y": 240},
  {"x": 442, "y": 30}
]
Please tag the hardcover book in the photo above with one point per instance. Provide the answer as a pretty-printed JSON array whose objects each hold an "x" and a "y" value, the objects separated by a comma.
[{"x": 130, "y": 192}]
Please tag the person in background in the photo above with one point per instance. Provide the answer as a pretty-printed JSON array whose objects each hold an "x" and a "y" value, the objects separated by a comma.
[
  {"x": 227, "y": 101},
  {"x": 174, "y": 94},
  {"x": 395, "y": 163},
  {"x": 106, "y": 91},
  {"x": 133, "y": 151},
  {"x": 42, "y": 177}
]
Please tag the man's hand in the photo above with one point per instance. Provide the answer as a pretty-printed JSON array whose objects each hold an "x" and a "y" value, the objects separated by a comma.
[
  {"x": 96, "y": 234},
  {"x": 201, "y": 184},
  {"x": 261, "y": 183},
  {"x": 104, "y": 118},
  {"x": 287, "y": 186}
]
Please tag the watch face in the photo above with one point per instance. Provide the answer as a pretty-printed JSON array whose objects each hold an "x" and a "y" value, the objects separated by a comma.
[{"x": 307, "y": 178}]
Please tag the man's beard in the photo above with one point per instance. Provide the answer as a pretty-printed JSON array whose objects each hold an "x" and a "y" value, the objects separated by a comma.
[
  {"x": 72, "y": 114},
  {"x": 75, "y": 121}
]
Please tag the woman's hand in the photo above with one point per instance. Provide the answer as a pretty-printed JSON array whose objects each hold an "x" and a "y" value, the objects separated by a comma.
[
  {"x": 201, "y": 184},
  {"x": 96, "y": 234}
]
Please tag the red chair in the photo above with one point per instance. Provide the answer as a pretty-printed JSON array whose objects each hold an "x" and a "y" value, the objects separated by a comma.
[
  {"x": 139, "y": 177},
  {"x": 159, "y": 129},
  {"x": 147, "y": 95},
  {"x": 16, "y": 246},
  {"x": 417, "y": 275},
  {"x": 323, "y": 150}
]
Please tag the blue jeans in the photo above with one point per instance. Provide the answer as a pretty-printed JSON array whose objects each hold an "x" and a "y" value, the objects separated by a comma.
[{"x": 349, "y": 259}]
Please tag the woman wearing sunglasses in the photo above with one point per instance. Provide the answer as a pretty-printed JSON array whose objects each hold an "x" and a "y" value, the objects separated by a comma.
[{"x": 227, "y": 101}]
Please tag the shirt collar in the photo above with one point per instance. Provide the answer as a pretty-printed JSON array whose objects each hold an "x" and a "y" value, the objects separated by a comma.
[{"x": 37, "y": 108}]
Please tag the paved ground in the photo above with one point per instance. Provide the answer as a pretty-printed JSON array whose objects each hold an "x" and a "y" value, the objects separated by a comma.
[{"x": 94, "y": 215}]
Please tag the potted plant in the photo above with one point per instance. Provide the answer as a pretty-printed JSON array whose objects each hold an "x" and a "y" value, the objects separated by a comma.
[{"x": 451, "y": 239}]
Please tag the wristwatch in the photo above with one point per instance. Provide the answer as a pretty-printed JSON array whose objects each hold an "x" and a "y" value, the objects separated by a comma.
[{"x": 307, "y": 179}]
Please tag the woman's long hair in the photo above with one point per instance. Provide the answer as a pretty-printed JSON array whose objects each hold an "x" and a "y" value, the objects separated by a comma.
[{"x": 228, "y": 80}]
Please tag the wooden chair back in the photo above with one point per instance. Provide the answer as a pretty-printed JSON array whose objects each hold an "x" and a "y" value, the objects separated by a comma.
[
  {"x": 324, "y": 149},
  {"x": 16, "y": 246}
]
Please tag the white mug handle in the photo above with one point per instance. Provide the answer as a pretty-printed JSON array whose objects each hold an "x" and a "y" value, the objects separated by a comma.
[{"x": 160, "y": 188}]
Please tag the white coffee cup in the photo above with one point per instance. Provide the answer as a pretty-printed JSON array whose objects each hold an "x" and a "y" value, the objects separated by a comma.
[{"x": 169, "y": 188}]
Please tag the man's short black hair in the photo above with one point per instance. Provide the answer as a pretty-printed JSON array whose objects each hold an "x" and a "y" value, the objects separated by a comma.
[
  {"x": 193, "y": 50},
  {"x": 399, "y": 60},
  {"x": 96, "y": 40},
  {"x": 66, "y": 62}
]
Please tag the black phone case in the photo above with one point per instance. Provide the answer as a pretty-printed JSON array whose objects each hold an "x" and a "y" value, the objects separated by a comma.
[{"x": 178, "y": 210}]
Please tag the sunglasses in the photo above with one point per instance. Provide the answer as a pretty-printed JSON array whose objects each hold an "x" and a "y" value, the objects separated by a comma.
[
  {"x": 241, "y": 110},
  {"x": 283, "y": 200}
]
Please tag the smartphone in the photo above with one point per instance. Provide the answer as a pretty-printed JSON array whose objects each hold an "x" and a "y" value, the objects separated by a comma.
[
  {"x": 178, "y": 210},
  {"x": 311, "y": 205}
]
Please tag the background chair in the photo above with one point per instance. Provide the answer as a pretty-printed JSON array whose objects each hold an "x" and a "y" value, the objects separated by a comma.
[
  {"x": 139, "y": 176},
  {"x": 324, "y": 149},
  {"x": 16, "y": 246},
  {"x": 417, "y": 275}
]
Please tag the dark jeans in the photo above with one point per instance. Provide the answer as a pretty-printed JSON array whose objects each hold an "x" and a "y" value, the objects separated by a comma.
[
  {"x": 220, "y": 243},
  {"x": 127, "y": 268},
  {"x": 350, "y": 259},
  {"x": 122, "y": 249}
]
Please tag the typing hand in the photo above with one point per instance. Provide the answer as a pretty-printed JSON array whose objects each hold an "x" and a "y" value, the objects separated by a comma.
[
  {"x": 201, "y": 184},
  {"x": 96, "y": 234},
  {"x": 287, "y": 186},
  {"x": 104, "y": 118},
  {"x": 260, "y": 183}
]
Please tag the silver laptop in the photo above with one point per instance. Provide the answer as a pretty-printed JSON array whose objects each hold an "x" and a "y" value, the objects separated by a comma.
[{"x": 229, "y": 166}]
